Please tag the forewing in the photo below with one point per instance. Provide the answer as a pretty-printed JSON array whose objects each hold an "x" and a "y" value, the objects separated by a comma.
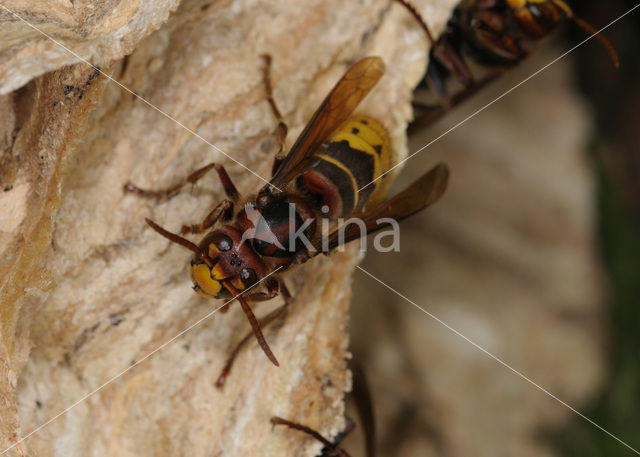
[
  {"x": 422, "y": 193},
  {"x": 334, "y": 110}
]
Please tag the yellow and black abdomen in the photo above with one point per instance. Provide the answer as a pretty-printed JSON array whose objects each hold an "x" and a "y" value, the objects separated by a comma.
[{"x": 356, "y": 154}]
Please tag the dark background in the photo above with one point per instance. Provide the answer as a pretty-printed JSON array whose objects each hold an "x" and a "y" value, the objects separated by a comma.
[
  {"x": 422, "y": 406},
  {"x": 615, "y": 152}
]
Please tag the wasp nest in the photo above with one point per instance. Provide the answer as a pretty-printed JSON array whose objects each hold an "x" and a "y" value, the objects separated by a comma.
[{"x": 88, "y": 291}]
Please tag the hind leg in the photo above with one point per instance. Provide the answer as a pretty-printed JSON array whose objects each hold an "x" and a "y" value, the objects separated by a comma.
[
  {"x": 227, "y": 184},
  {"x": 282, "y": 129}
]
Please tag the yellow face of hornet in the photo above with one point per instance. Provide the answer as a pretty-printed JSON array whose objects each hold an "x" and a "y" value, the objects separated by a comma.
[
  {"x": 234, "y": 263},
  {"x": 206, "y": 281}
]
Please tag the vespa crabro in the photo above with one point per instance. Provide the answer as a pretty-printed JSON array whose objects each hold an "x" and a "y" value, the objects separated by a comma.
[
  {"x": 492, "y": 35},
  {"x": 325, "y": 176}
]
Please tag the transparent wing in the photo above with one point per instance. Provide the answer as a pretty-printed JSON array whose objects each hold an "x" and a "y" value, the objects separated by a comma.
[
  {"x": 334, "y": 110},
  {"x": 422, "y": 193}
]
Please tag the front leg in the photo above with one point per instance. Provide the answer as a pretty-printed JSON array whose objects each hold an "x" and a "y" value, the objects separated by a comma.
[
  {"x": 223, "y": 212},
  {"x": 273, "y": 287}
]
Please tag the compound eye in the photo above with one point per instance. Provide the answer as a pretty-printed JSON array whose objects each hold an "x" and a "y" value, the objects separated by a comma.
[
  {"x": 249, "y": 276},
  {"x": 222, "y": 242}
]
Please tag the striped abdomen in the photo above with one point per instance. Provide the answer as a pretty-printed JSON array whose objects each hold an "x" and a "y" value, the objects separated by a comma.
[
  {"x": 504, "y": 32},
  {"x": 538, "y": 18},
  {"x": 354, "y": 156}
]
